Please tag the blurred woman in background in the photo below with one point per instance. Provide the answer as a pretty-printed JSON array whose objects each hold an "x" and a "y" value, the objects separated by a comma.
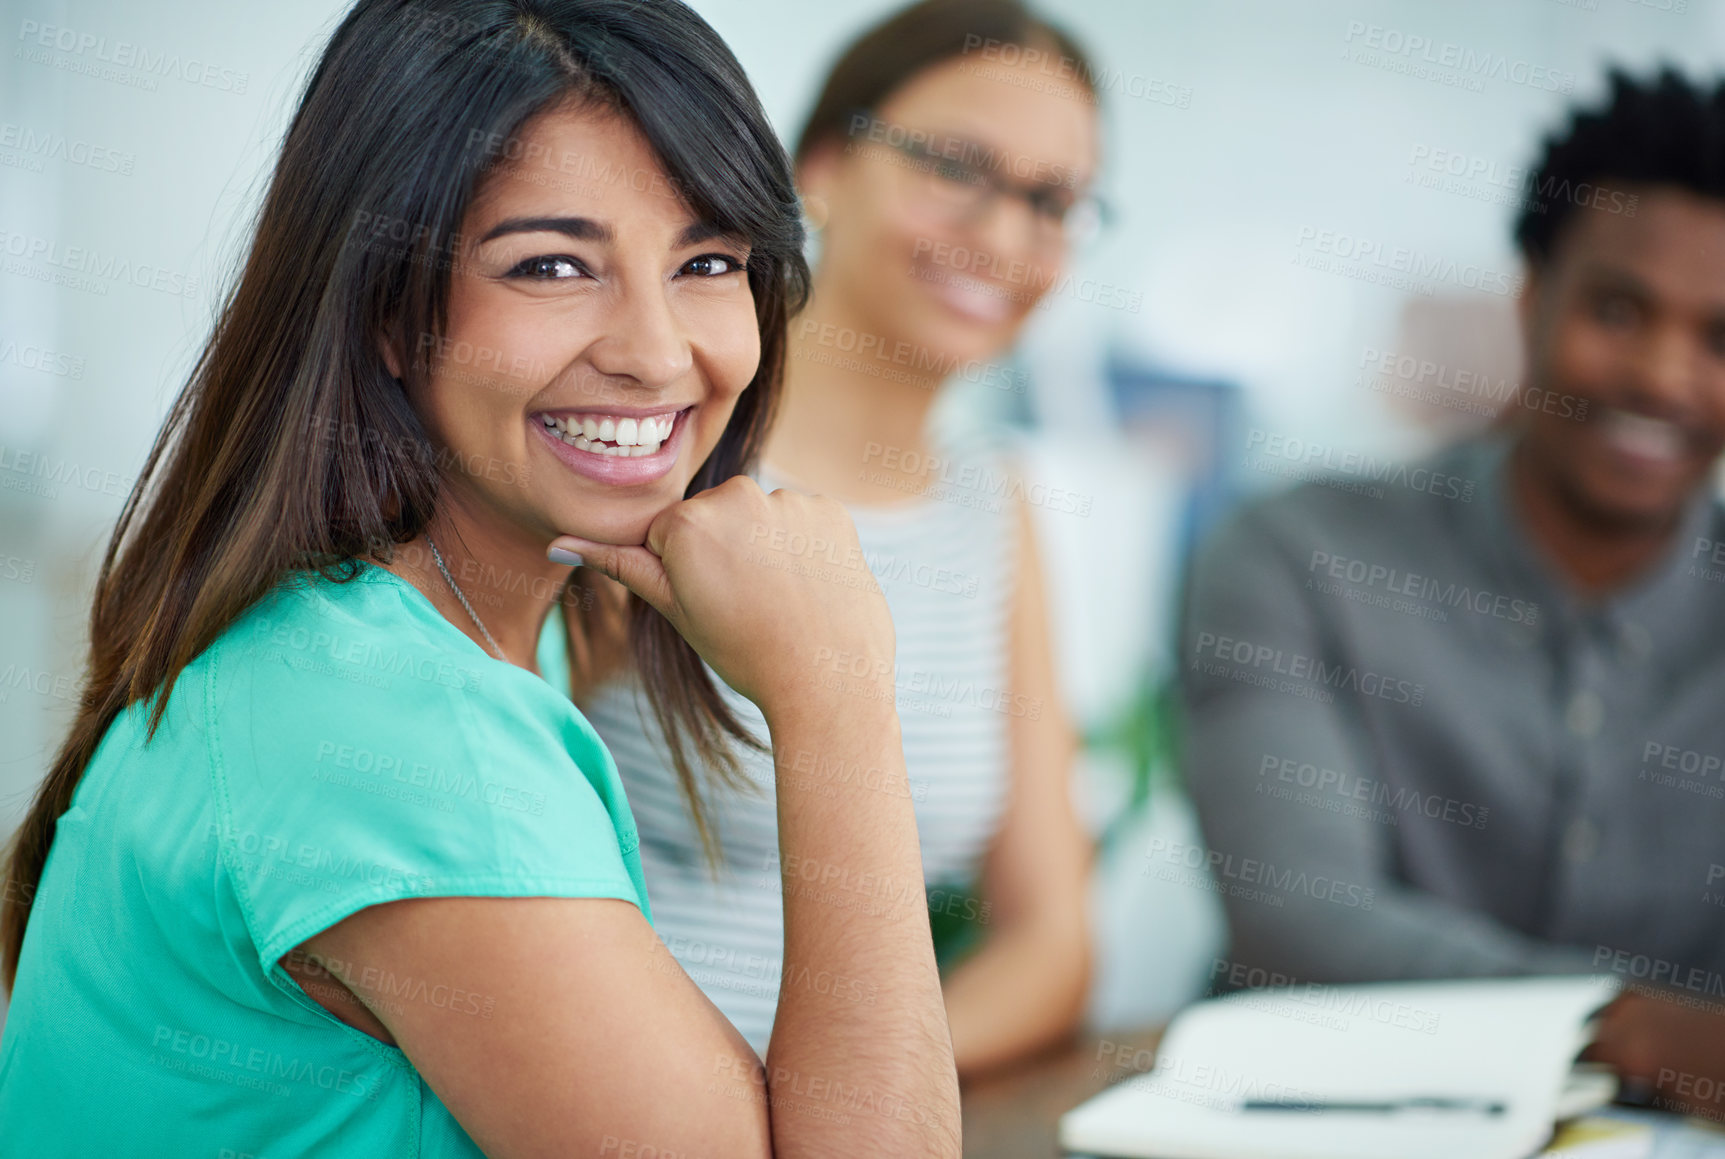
[{"x": 946, "y": 167}]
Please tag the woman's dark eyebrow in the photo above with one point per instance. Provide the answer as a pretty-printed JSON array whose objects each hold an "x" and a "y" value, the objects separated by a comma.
[
  {"x": 702, "y": 231},
  {"x": 586, "y": 229},
  {"x": 578, "y": 228}
]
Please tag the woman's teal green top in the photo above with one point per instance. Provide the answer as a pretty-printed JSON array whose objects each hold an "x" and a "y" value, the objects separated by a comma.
[{"x": 340, "y": 745}]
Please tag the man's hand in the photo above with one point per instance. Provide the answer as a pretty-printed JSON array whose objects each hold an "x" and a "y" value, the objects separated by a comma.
[{"x": 1673, "y": 1049}]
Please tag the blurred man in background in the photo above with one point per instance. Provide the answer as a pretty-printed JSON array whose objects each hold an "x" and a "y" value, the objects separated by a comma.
[{"x": 1466, "y": 716}]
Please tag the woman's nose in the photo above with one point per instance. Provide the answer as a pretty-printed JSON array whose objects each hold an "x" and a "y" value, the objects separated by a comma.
[{"x": 643, "y": 340}]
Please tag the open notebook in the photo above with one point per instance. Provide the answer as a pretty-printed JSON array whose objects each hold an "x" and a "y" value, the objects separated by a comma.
[{"x": 1426, "y": 1070}]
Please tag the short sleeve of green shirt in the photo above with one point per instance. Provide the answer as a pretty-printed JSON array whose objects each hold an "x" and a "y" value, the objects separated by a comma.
[
  {"x": 365, "y": 753},
  {"x": 340, "y": 745}
]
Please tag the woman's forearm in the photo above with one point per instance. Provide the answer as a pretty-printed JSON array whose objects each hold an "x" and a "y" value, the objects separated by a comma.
[
  {"x": 860, "y": 1060},
  {"x": 1024, "y": 989}
]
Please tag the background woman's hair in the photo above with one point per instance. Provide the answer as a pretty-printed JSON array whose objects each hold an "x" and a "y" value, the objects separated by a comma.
[
  {"x": 292, "y": 447},
  {"x": 932, "y": 32}
]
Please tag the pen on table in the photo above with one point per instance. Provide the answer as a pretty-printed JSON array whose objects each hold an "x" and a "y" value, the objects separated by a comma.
[{"x": 1383, "y": 1106}]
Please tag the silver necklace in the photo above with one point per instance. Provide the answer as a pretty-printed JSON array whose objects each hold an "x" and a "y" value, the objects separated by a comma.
[{"x": 438, "y": 556}]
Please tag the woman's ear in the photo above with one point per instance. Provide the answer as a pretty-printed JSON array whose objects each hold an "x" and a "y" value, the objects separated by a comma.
[
  {"x": 817, "y": 176},
  {"x": 391, "y": 352}
]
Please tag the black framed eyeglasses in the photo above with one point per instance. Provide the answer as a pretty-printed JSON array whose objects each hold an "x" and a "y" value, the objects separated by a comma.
[{"x": 968, "y": 182}]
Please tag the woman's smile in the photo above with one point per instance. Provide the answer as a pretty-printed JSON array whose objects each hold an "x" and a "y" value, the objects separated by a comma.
[{"x": 620, "y": 447}]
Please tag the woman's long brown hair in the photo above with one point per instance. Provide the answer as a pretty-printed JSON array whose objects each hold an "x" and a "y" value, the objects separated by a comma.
[{"x": 291, "y": 446}]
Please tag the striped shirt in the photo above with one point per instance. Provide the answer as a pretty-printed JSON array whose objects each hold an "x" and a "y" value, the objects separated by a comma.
[{"x": 946, "y": 565}]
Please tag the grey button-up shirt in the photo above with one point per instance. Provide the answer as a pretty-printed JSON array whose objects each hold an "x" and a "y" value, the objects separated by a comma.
[{"x": 1416, "y": 753}]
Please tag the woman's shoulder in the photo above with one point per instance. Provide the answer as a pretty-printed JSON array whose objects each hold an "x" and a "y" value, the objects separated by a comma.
[
  {"x": 371, "y": 647},
  {"x": 360, "y": 631},
  {"x": 360, "y": 684},
  {"x": 389, "y": 756}
]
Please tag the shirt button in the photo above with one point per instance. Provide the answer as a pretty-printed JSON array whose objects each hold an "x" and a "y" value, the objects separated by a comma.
[
  {"x": 1581, "y": 840},
  {"x": 1585, "y": 714}
]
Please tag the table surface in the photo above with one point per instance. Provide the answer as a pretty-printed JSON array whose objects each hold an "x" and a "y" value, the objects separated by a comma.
[{"x": 1016, "y": 1114}]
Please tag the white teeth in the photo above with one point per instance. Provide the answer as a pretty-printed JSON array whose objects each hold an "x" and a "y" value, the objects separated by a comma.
[
  {"x": 1646, "y": 437},
  {"x": 628, "y": 438},
  {"x": 616, "y": 451}
]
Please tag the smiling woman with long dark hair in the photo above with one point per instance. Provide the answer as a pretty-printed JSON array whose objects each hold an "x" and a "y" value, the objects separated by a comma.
[{"x": 329, "y": 863}]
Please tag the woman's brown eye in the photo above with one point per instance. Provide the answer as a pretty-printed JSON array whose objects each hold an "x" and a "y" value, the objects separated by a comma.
[
  {"x": 713, "y": 265},
  {"x": 545, "y": 267},
  {"x": 1054, "y": 209}
]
